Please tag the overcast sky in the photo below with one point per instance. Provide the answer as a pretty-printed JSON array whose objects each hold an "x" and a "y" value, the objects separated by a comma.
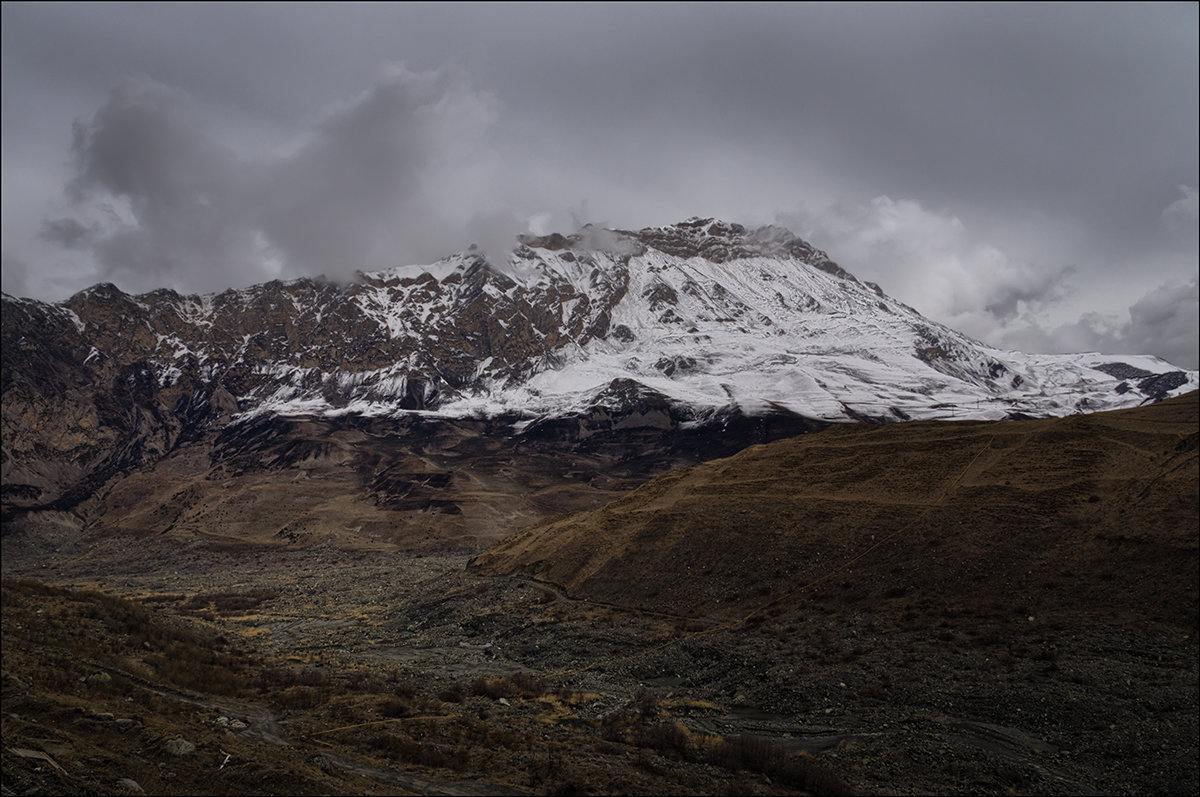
[{"x": 1026, "y": 173}]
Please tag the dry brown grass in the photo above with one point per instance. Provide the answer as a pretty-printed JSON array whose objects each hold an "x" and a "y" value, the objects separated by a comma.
[
  {"x": 117, "y": 678},
  {"x": 1074, "y": 515}
]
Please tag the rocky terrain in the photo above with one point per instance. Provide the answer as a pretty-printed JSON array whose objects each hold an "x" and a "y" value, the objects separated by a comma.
[
  {"x": 414, "y": 484},
  {"x": 687, "y": 329},
  {"x": 970, "y": 607},
  {"x": 679, "y": 510}
]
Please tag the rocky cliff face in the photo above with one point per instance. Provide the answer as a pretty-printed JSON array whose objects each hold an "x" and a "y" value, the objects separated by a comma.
[{"x": 674, "y": 328}]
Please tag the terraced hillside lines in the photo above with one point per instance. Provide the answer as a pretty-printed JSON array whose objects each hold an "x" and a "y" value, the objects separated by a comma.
[{"x": 1064, "y": 514}]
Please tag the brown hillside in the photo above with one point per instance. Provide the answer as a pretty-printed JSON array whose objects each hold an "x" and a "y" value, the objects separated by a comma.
[{"x": 1066, "y": 517}]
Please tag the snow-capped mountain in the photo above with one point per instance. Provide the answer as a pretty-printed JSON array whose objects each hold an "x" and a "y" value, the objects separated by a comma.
[{"x": 674, "y": 326}]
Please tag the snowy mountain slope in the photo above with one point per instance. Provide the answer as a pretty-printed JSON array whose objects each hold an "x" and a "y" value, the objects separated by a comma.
[
  {"x": 679, "y": 326},
  {"x": 704, "y": 312},
  {"x": 714, "y": 319}
]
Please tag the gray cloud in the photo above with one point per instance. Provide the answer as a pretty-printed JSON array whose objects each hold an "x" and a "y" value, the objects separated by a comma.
[
  {"x": 1182, "y": 215},
  {"x": 158, "y": 201},
  {"x": 15, "y": 273},
  {"x": 69, "y": 232},
  {"x": 1017, "y": 171},
  {"x": 372, "y": 183},
  {"x": 932, "y": 261},
  {"x": 377, "y": 181},
  {"x": 1165, "y": 321}
]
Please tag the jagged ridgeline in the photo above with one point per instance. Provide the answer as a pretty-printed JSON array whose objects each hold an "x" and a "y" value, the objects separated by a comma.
[{"x": 610, "y": 354}]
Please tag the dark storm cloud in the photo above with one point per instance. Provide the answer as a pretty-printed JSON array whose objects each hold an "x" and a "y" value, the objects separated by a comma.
[
  {"x": 163, "y": 203},
  {"x": 1017, "y": 171},
  {"x": 372, "y": 184},
  {"x": 69, "y": 232},
  {"x": 960, "y": 106},
  {"x": 1167, "y": 318},
  {"x": 159, "y": 199}
]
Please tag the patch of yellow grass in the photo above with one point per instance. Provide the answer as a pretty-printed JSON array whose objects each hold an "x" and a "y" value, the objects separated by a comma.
[
  {"x": 689, "y": 704},
  {"x": 254, "y": 632}
]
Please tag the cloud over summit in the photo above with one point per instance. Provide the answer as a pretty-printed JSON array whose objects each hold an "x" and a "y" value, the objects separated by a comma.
[
  {"x": 1016, "y": 171},
  {"x": 159, "y": 199}
]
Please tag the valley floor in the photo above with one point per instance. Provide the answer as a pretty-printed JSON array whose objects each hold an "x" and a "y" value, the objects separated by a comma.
[{"x": 470, "y": 684}]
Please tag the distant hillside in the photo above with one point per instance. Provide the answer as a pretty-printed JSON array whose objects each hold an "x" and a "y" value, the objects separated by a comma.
[{"x": 1066, "y": 516}]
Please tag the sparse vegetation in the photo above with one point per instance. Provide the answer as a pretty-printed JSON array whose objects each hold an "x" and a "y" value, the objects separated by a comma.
[
  {"x": 964, "y": 655},
  {"x": 520, "y": 684},
  {"x": 179, "y": 668},
  {"x": 227, "y": 603},
  {"x": 756, "y": 754}
]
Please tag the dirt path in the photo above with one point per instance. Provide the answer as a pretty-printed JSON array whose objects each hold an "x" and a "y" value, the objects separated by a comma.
[{"x": 419, "y": 785}]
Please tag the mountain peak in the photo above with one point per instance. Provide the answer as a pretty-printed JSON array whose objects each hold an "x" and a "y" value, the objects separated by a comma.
[
  {"x": 685, "y": 324},
  {"x": 721, "y": 241}
]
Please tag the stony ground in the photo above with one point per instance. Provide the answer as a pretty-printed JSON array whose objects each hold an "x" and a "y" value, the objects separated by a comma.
[
  {"x": 904, "y": 700},
  {"x": 911, "y": 609}
]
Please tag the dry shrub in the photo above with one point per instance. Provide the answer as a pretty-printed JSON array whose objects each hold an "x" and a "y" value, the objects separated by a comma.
[
  {"x": 520, "y": 684},
  {"x": 312, "y": 676},
  {"x": 645, "y": 760},
  {"x": 106, "y": 628},
  {"x": 298, "y": 697},
  {"x": 401, "y": 747},
  {"x": 670, "y": 738},
  {"x": 646, "y": 704},
  {"x": 757, "y": 754},
  {"x": 228, "y": 602},
  {"x": 404, "y": 688},
  {"x": 396, "y": 707},
  {"x": 454, "y": 693},
  {"x": 527, "y": 684},
  {"x": 168, "y": 597}
]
